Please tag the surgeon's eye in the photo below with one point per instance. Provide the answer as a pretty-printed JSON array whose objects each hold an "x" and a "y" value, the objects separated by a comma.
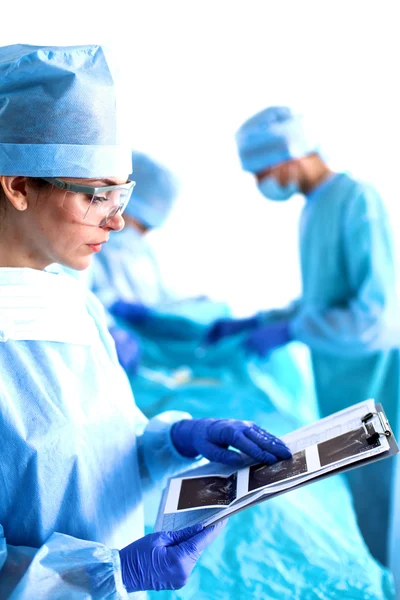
[{"x": 98, "y": 199}]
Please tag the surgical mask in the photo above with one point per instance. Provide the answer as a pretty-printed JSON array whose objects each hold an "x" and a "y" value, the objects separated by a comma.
[{"x": 273, "y": 190}]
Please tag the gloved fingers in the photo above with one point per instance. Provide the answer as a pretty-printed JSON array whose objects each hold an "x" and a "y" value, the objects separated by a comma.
[
  {"x": 130, "y": 311},
  {"x": 260, "y": 352},
  {"x": 199, "y": 542},
  {"x": 182, "y": 535},
  {"x": 221, "y": 329},
  {"x": 252, "y": 449},
  {"x": 224, "y": 432},
  {"x": 120, "y": 308},
  {"x": 268, "y": 442},
  {"x": 216, "y": 453},
  {"x": 248, "y": 342},
  {"x": 264, "y": 436},
  {"x": 267, "y": 435},
  {"x": 214, "y": 333}
]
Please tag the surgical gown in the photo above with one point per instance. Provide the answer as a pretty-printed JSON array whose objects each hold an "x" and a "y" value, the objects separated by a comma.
[
  {"x": 349, "y": 317},
  {"x": 76, "y": 452}
]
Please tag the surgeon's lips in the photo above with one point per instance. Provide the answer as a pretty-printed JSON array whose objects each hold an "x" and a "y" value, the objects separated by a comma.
[{"x": 97, "y": 247}]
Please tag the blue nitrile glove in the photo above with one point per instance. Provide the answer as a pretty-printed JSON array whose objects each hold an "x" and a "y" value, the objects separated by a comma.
[
  {"x": 130, "y": 311},
  {"x": 165, "y": 560},
  {"x": 128, "y": 349},
  {"x": 226, "y": 327},
  {"x": 268, "y": 337},
  {"x": 211, "y": 438}
]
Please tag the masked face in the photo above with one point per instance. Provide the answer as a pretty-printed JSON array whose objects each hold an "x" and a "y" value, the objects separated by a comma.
[{"x": 273, "y": 190}]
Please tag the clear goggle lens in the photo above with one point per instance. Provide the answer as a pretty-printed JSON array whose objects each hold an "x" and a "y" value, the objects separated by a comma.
[{"x": 94, "y": 205}]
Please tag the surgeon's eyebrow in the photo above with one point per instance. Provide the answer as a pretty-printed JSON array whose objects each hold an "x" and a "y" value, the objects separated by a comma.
[{"x": 104, "y": 182}]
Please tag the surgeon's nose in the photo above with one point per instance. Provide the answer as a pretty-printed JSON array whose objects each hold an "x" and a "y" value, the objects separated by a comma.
[{"x": 116, "y": 223}]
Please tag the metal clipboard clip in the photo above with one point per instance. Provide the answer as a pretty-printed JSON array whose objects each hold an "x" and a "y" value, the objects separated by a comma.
[{"x": 373, "y": 435}]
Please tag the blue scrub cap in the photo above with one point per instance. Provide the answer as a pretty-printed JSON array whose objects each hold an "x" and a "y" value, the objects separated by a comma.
[
  {"x": 273, "y": 136},
  {"x": 58, "y": 113},
  {"x": 155, "y": 191}
]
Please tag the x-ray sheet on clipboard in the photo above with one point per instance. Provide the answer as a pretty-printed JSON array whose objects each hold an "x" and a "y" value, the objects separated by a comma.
[{"x": 347, "y": 439}]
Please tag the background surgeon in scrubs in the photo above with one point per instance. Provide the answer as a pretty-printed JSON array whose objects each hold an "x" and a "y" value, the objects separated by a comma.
[{"x": 348, "y": 314}]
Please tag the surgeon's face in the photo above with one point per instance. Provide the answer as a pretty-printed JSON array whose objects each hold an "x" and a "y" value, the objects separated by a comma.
[
  {"x": 40, "y": 231},
  {"x": 283, "y": 173}
]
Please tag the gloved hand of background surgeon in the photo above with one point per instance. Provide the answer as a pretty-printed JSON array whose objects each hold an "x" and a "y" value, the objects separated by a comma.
[
  {"x": 225, "y": 327},
  {"x": 165, "y": 560},
  {"x": 128, "y": 349},
  {"x": 268, "y": 337},
  {"x": 130, "y": 311},
  {"x": 212, "y": 437}
]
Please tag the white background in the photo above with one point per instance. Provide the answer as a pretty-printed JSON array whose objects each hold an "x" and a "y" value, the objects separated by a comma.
[{"x": 196, "y": 71}]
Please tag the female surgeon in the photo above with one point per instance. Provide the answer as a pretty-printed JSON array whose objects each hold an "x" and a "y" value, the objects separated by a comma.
[{"x": 76, "y": 453}]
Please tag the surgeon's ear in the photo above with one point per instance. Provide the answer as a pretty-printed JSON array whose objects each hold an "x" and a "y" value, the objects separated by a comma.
[{"x": 16, "y": 190}]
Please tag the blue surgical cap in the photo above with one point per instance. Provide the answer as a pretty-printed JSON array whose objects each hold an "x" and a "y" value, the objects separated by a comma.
[
  {"x": 273, "y": 136},
  {"x": 58, "y": 113},
  {"x": 155, "y": 191}
]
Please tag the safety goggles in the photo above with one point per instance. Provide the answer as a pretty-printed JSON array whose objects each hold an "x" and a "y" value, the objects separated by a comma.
[{"x": 94, "y": 205}]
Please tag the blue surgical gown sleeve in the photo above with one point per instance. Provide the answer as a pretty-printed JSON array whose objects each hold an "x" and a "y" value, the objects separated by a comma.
[
  {"x": 281, "y": 314},
  {"x": 158, "y": 458},
  {"x": 68, "y": 567},
  {"x": 365, "y": 319},
  {"x": 63, "y": 567}
]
